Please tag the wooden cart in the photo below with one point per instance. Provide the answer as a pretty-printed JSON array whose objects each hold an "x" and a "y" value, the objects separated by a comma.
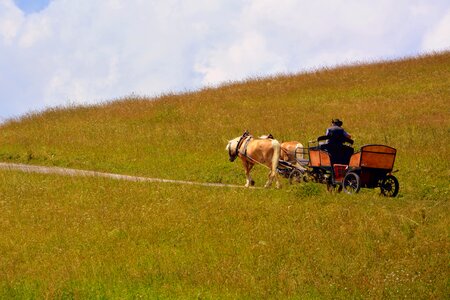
[{"x": 370, "y": 167}]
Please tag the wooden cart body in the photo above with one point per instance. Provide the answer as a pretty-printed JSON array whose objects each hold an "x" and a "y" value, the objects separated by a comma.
[
  {"x": 372, "y": 163},
  {"x": 370, "y": 167}
]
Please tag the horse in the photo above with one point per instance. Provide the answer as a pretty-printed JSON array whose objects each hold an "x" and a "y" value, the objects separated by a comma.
[
  {"x": 290, "y": 151},
  {"x": 253, "y": 151}
]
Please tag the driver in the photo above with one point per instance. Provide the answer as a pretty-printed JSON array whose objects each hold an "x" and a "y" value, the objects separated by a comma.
[{"x": 336, "y": 136}]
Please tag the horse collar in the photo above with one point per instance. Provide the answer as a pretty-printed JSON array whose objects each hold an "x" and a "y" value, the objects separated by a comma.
[
  {"x": 239, "y": 144},
  {"x": 245, "y": 146},
  {"x": 244, "y": 137}
]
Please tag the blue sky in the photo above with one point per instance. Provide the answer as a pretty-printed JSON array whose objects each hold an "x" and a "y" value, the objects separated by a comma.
[
  {"x": 63, "y": 52},
  {"x": 31, "y": 6}
]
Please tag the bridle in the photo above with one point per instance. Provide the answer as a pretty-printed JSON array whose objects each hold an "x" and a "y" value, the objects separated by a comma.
[{"x": 238, "y": 145}]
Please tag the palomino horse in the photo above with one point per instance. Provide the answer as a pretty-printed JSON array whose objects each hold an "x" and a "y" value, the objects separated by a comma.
[
  {"x": 290, "y": 151},
  {"x": 256, "y": 151}
]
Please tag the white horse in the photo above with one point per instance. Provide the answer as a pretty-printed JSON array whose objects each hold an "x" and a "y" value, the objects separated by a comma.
[{"x": 256, "y": 151}]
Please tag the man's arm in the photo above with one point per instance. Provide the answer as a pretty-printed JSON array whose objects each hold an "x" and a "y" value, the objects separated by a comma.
[{"x": 347, "y": 135}]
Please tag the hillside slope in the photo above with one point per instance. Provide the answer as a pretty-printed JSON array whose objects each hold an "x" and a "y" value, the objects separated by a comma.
[
  {"x": 88, "y": 237},
  {"x": 404, "y": 104}
]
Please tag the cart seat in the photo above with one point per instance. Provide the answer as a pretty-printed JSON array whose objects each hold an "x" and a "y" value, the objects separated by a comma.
[
  {"x": 319, "y": 158},
  {"x": 339, "y": 154}
]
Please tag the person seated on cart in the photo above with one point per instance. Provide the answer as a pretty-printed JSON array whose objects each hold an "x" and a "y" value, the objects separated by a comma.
[{"x": 336, "y": 136}]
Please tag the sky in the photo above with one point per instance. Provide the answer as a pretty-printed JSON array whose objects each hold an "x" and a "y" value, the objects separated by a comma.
[{"x": 63, "y": 52}]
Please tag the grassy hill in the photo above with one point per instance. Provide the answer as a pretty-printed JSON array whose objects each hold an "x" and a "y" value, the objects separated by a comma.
[{"x": 84, "y": 237}]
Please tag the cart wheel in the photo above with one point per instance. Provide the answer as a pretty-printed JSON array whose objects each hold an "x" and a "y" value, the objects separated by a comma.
[
  {"x": 351, "y": 183},
  {"x": 305, "y": 177},
  {"x": 317, "y": 175},
  {"x": 295, "y": 176},
  {"x": 334, "y": 188},
  {"x": 390, "y": 186}
]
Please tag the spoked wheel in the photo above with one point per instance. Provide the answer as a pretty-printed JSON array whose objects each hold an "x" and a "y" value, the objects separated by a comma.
[
  {"x": 351, "y": 183},
  {"x": 389, "y": 186},
  {"x": 306, "y": 177},
  {"x": 317, "y": 175},
  {"x": 334, "y": 188},
  {"x": 295, "y": 176}
]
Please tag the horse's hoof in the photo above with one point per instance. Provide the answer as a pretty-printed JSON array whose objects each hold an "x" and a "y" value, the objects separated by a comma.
[{"x": 252, "y": 183}]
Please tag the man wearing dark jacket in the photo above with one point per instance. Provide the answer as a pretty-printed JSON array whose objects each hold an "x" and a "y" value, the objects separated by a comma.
[{"x": 336, "y": 136}]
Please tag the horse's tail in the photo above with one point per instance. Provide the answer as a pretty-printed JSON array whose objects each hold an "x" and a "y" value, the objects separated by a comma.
[
  {"x": 275, "y": 159},
  {"x": 276, "y": 154}
]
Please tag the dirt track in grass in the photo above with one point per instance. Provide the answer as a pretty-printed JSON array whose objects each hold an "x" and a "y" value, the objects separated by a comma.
[{"x": 75, "y": 172}]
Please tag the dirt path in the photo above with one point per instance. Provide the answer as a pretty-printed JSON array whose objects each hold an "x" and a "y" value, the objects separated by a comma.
[{"x": 74, "y": 172}]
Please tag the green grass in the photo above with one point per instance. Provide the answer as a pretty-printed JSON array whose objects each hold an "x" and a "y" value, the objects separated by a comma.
[
  {"x": 65, "y": 237},
  {"x": 105, "y": 238}
]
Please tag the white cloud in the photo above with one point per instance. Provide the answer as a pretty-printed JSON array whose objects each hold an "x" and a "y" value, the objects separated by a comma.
[
  {"x": 92, "y": 50},
  {"x": 36, "y": 29},
  {"x": 247, "y": 56},
  {"x": 11, "y": 19},
  {"x": 438, "y": 38},
  {"x": 288, "y": 36}
]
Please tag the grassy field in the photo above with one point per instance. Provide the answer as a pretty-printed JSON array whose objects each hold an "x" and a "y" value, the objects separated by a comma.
[{"x": 66, "y": 237}]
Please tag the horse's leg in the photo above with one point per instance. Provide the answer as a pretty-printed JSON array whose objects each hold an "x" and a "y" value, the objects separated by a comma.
[
  {"x": 277, "y": 179},
  {"x": 248, "y": 167},
  {"x": 269, "y": 181},
  {"x": 273, "y": 174}
]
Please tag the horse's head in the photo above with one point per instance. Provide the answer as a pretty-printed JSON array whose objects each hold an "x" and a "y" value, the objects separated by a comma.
[
  {"x": 232, "y": 148},
  {"x": 234, "y": 144}
]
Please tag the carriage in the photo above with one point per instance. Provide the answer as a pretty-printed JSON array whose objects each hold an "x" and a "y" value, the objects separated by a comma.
[{"x": 370, "y": 167}]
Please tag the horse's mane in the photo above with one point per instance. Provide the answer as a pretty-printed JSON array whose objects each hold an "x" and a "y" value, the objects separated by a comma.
[{"x": 267, "y": 136}]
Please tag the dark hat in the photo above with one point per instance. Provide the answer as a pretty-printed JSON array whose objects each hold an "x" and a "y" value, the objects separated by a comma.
[{"x": 336, "y": 122}]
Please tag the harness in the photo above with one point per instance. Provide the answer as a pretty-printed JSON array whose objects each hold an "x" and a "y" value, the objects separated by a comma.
[
  {"x": 239, "y": 143},
  {"x": 244, "y": 140},
  {"x": 245, "y": 146},
  {"x": 249, "y": 138}
]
